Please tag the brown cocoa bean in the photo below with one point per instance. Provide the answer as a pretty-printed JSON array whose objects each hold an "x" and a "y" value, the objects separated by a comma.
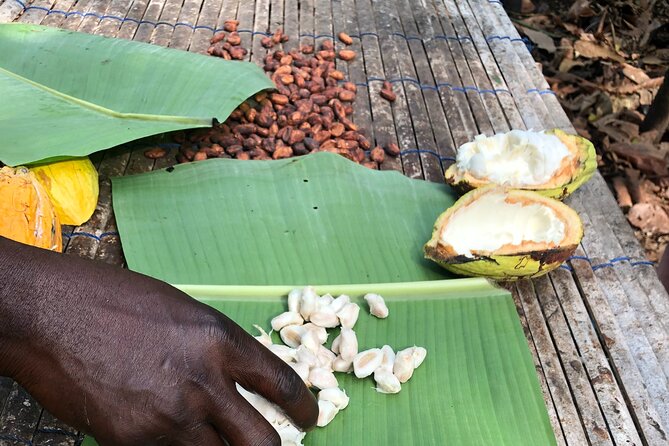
[
  {"x": 328, "y": 45},
  {"x": 230, "y": 25},
  {"x": 311, "y": 144},
  {"x": 299, "y": 149},
  {"x": 370, "y": 165},
  {"x": 269, "y": 144},
  {"x": 296, "y": 136},
  {"x": 249, "y": 143},
  {"x": 282, "y": 152},
  {"x": 305, "y": 127},
  {"x": 330, "y": 93},
  {"x": 346, "y": 96},
  {"x": 280, "y": 99},
  {"x": 392, "y": 149},
  {"x": 188, "y": 153},
  {"x": 358, "y": 155},
  {"x": 236, "y": 114},
  {"x": 181, "y": 159},
  {"x": 326, "y": 55},
  {"x": 245, "y": 129},
  {"x": 200, "y": 156},
  {"x": 377, "y": 154},
  {"x": 338, "y": 107},
  {"x": 262, "y": 131},
  {"x": 388, "y": 95},
  {"x": 314, "y": 119},
  {"x": 322, "y": 136},
  {"x": 307, "y": 49},
  {"x": 286, "y": 60},
  {"x": 327, "y": 112},
  {"x": 282, "y": 121},
  {"x": 287, "y": 79},
  {"x": 348, "y": 124},
  {"x": 251, "y": 114},
  {"x": 234, "y": 39},
  {"x": 296, "y": 118},
  {"x": 337, "y": 129},
  {"x": 350, "y": 135},
  {"x": 328, "y": 146},
  {"x": 155, "y": 153},
  {"x": 273, "y": 129},
  {"x": 319, "y": 99},
  {"x": 336, "y": 74},
  {"x": 283, "y": 69},
  {"x": 214, "y": 151},
  {"x": 346, "y": 55},
  {"x": 243, "y": 156},
  {"x": 227, "y": 141},
  {"x": 364, "y": 142},
  {"x": 238, "y": 52},
  {"x": 277, "y": 36},
  {"x": 264, "y": 119},
  {"x": 349, "y": 109},
  {"x": 345, "y": 38},
  {"x": 270, "y": 66},
  {"x": 267, "y": 42},
  {"x": 218, "y": 37},
  {"x": 283, "y": 133},
  {"x": 350, "y": 86}
]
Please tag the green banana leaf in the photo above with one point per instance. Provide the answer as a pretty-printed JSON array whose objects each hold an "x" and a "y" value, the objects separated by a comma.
[
  {"x": 317, "y": 219},
  {"x": 477, "y": 386},
  {"x": 71, "y": 94}
]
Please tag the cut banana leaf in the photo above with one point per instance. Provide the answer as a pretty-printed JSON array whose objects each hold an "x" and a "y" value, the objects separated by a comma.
[
  {"x": 317, "y": 219},
  {"x": 477, "y": 386},
  {"x": 70, "y": 94}
]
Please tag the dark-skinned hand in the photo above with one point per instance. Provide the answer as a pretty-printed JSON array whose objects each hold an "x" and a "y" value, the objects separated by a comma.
[{"x": 132, "y": 360}]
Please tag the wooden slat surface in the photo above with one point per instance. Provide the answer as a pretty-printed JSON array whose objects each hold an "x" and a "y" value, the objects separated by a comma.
[{"x": 597, "y": 329}]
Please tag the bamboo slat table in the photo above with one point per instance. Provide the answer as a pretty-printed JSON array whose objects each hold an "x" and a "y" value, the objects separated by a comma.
[{"x": 596, "y": 327}]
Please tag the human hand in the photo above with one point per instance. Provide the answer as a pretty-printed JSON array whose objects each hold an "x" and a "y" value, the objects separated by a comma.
[{"x": 132, "y": 360}]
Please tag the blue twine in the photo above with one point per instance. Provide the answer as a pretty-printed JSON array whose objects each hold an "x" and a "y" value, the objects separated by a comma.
[
  {"x": 57, "y": 431},
  {"x": 441, "y": 158},
  {"x": 89, "y": 235},
  {"x": 244, "y": 31},
  {"x": 10, "y": 437},
  {"x": 436, "y": 87},
  {"x": 611, "y": 263},
  {"x": 541, "y": 92}
]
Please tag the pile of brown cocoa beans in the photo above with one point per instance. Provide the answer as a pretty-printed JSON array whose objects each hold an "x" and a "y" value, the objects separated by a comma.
[{"x": 308, "y": 112}]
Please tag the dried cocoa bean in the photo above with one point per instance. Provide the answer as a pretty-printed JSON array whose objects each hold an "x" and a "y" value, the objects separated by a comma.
[
  {"x": 245, "y": 129},
  {"x": 243, "y": 156},
  {"x": 218, "y": 37},
  {"x": 213, "y": 151},
  {"x": 269, "y": 144},
  {"x": 314, "y": 119},
  {"x": 273, "y": 129},
  {"x": 238, "y": 52},
  {"x": 350, "y": 135},
  {"x": 282, "y": 152},
  {"x": 328, "y": 146},
  {"x": 286, "y": 60},
  {"x": 181, "y": 159},
  {"x": 280, "y": 99},
  {"x": 277, "y": 36},
  {"x": 262, "y": 131},
  {"x": 189, "y": 154},
  {"x": 319, "y": 99},
  {"x": 364, "y": 142},
  {"x": 155, "y": 153},
  {"x": 300, "y": 149},
  {"x": 249, "y": 143},
  {"x": 388, "y": 95},
  {"x": 251, "y": 114},
  {"x": 346, "y": 96},
  {"x": 311, "y": 144},
  {"x": 336, "y": 74},
  {"x": 230, "y": 25},
  {"x": 267, "y": 42},
  {"x": 322, "y": 136},
  {"x": 370, "y": 165},
  {"x": 350, "y": 86},
  {"x": 392, "y": 149},
  {"x": 307, "y": 49},
  {"x": 348, "y": 124},
  {"x": 328, "y": 45},
  {"x": 377, "y": 154},
  {"x": 337, "y": 129},
  {"x": 346, "y": 55},
  {"x": 228, "y": 141},
  {"x": 345, "y": 38},
  {"x": 200, "y": 156},
  {"x": 287, "y": 79},
  {"x": 234, "y": 39},
  {"x": 296, "y": 118}
]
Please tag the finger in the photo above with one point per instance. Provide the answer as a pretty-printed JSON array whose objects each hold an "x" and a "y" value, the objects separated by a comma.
[
  {"x": 238, "y": 422},
  {"x": 202, "y": 434},
  {"x": 259, "y": 370}
]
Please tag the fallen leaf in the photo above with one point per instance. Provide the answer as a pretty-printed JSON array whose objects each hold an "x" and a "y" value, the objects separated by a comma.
[
  {"x": 649, "y": 217},
  {"x": 592, "y": 50},
  {"x": 635, "y": 74},
  {"x": 644, "y": 157},
  {"x": 542, "y": 40},
  {"x": 579, "y": 9}
]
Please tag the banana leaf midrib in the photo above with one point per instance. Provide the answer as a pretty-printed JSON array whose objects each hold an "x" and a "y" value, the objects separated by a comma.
[{"x": 106, "y": 111}]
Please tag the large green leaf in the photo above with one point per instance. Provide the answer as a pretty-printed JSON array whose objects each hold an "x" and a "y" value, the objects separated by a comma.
[
  {"x": 70, "y": 94},
  {"x": 317, "y": 219},
  {"x": 477, "y": 386}
]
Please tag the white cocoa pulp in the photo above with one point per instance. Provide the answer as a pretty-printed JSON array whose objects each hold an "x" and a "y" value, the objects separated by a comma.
[
  {"x": 514, "y": 159},
  {"x": 490, "y": 222}
]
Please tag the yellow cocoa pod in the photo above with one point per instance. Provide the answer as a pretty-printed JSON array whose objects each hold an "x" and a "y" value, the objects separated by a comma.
[
  {"x": 73, "y": 187},
  {"x": 26, "y": 212}
]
